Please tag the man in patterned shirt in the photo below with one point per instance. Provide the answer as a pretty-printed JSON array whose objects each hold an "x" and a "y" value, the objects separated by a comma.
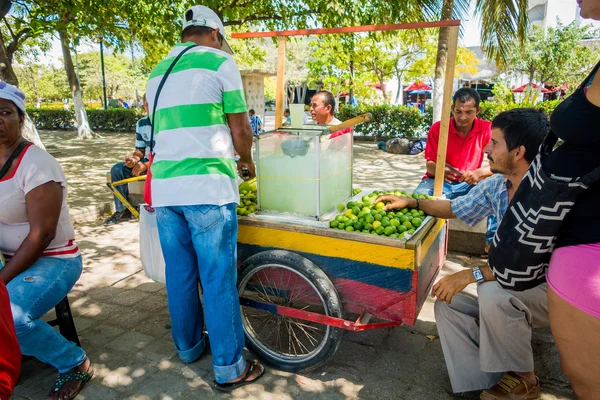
[
  {"x": 134, "y": 165},
  {"x": 486, "y": 339}
]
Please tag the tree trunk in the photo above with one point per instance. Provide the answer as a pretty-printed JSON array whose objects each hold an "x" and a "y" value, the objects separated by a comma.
[
  {"x": 399, "y": 92},
  {"x": 440, "y": 62},
  {"x": 83, "y": 127},
  {"x": 7, "y": 74}
]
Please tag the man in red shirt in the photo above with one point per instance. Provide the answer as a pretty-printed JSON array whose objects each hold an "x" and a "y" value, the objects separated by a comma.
[{"x": 467, "y": 137}]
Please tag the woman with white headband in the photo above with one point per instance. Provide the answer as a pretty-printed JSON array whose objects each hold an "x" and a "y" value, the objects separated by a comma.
[{"x": 38, "y": 241}]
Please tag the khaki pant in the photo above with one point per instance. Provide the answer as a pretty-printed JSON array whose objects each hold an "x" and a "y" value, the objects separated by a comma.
[{"x": 487, "y": 335}]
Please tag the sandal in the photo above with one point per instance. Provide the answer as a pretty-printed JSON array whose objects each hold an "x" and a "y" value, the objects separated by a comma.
[
  {"x": 231, "y": 386},
  {"x": 62, "y": 379}
]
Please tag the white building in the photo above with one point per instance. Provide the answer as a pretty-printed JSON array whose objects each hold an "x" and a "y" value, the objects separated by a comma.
[{"x": 546, "y": 12}]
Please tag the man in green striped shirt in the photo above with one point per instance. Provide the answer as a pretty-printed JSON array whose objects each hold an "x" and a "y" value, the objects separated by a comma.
[{"x": 199, "y": 118}]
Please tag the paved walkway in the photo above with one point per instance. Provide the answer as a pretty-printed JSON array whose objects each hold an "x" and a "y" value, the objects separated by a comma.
[{"x": 123, "y": 322}]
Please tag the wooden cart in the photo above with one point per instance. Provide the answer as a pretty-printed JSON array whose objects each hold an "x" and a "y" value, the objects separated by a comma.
[{"x": 299, "y": 285}]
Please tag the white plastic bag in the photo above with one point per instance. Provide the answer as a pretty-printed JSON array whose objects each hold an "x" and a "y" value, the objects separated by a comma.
[{"x": 150, "y": 250}]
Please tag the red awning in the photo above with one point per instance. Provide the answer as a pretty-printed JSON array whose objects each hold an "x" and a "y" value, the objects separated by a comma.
[
  {"x": 523, "y": 88},
  {"x": 418, "y": 85}
]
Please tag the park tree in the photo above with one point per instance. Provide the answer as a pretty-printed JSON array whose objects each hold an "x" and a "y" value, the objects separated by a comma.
[{"x": 554, "y": 57}]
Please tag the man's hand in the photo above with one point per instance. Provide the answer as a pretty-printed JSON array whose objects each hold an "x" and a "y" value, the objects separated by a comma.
[
  {"x": 397, "y": 202},
  {"x": 450, "y": 175},
  {"x": 249, "y": 165},
  {"x": 131, "y": 161},
  {"x": 447, "y": 287},
  {"x": 139, "y": 168},
  {"x": 471, "y": 177}
]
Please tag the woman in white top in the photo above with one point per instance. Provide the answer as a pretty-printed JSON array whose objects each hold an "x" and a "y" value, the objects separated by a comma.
[{"x": 37, "y": 239}]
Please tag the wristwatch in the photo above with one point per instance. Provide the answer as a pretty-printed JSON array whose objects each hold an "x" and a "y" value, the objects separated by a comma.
[{"x": 478, "y": 275}]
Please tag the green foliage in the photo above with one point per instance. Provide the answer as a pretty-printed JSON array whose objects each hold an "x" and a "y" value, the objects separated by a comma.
[
  {"x": 407, "y": 122},
  {"x": 555, "y": 56},
  {"x": 113, "y": 120},
  {"x": 490, "y": 109},
  {"x": 389, "y": 121}
]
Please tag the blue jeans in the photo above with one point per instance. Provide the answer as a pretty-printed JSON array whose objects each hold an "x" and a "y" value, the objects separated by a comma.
[
  {"x": 452, "y": 191},
  {"x": 199, "y": 244},
  {"x": 33, "y": 293}
]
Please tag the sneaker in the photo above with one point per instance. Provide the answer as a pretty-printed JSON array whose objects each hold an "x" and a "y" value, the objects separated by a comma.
[
  {"x": 512, "y": 387},
  {"x": 118, "y": 217}
]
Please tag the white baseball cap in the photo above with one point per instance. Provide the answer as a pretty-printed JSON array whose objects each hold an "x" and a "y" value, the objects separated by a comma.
[{"x": 204, "y": 16}]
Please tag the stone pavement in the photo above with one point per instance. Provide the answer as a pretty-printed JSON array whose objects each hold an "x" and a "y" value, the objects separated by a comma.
[{"x": 123, "y": 325}]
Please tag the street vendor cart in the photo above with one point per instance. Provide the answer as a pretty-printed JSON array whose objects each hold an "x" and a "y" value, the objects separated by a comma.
[{"x": 302, "y": 283}]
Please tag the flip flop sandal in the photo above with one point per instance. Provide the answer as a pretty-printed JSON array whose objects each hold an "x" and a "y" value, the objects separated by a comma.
[
  {"x": 230, "y": 387},
  {"x": 84, "y": 377}
]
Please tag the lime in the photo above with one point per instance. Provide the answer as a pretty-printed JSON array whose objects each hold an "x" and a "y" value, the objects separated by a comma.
[
  {"x": 358, "y": 226},
  {"x": 423, "y": 197},
  {"x": 359, "y": 204},
  {"x": 365, "y": 199},
  {"x": 421, "y": 213},
  {"x": 410, "y": 217},
  {"x": 385, "y": 222},
  {"x": 396, "y": 192},
  {"x": 374, "y": 212},
  {"x": 394, "y": 222},
  {"x": 344, "y": 219},
  {"x": 380, "y": 230},
  {"x": 411, "y": 231},
  {"x": 367, "y": 226},
  {"x": 402, "y": 228},
  {"x": 378, "y": 217},
  {"x": 339, "y": 218},
  {"x": 355, "y": 210},
  {"x": 353, "y": 217},
  {"x": 388, "y": 231},
  {"x": 341, "y": 207},
  {"x": 407, "y": 224},
  {"x": 342, "y": 226},
  {"x": 350, "y": 204},
  {"x": 379, "y": 205},
  {"x": 348, "y": 212},
  {"x": 382, "y": 213},
  {"x": 366, "y": 210},
  {"x": 349, "y": 228},
  {"x": 334, "y": 224},
  {"x": 391, "y": 214},
  {"x": 369, "y": 218},
  {"x": 365, "y": 231},
  {"x": 403, "y": 219},
  {"x": 416, "y": 222},
  {"x": 404, "y": 210},
  {"x": 394, "y": 235},
  {"x": 376, "y": 224}
]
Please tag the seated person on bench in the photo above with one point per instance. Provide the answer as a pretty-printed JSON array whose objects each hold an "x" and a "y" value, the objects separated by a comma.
[{"x": 134, "y": 165}]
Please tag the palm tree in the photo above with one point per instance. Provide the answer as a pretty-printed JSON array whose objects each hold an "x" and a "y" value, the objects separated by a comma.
[{"x": 502, "y": 21}]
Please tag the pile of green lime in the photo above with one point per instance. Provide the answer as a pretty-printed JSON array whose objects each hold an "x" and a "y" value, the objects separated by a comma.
[
  {"x": 367, "y": 216},
  {"x": 247, "y": 198},
  {"x": 356, "y": 191}
]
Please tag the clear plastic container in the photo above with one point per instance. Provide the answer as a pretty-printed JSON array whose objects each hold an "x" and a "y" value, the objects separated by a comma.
[{"x": 303, "y": 172}]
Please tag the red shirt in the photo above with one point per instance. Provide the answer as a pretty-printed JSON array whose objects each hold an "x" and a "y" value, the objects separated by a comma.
[
  {"x": 10, "y": 353},
  {"x": 463, "y": 153}
]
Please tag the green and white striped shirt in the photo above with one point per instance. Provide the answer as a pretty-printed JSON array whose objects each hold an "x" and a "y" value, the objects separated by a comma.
[{"x": 194, "y": 161}]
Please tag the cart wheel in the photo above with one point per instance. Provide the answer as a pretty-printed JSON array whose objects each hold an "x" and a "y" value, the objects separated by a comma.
[{"x": 283, "y": 278}]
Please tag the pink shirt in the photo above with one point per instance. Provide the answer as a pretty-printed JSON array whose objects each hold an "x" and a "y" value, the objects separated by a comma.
[{"x": 463, "y": 153}]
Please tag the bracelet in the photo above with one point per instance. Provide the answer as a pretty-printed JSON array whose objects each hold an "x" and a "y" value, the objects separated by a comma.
[{"x": 417, "y": 204}]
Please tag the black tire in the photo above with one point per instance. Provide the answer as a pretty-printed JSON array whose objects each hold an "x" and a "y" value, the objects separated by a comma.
[{"x": 300, "y": 275}]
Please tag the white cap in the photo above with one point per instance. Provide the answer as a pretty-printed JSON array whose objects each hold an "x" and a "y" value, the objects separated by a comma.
[
  {"x": 204, "y": 16},
  {"x": 14, "y": 94}
]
